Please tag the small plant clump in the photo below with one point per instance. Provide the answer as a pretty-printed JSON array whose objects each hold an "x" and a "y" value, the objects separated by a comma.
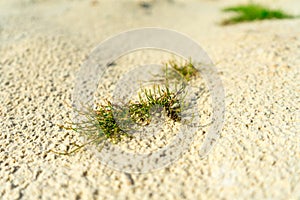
[
  {"x": 186, "y": 70},
  {"x": 252, "y": 12},
  {"x": 164, "y": 97},
  {"x": 101, "y": 125},
  {"x": 98, "y": 127}
]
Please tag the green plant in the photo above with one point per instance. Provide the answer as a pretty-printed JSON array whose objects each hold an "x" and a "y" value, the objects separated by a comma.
[
  {"x": 185, "y": 70},
  {"x": 252, "y": 12},
  {"x": 100, "y": 125},
  {"x": 110, "y": 122},
  {"x": 169, "y": 100}
]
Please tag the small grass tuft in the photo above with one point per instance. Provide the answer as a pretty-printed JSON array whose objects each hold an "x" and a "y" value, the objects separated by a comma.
[
  {"x": 99, "y": 127},
  {"x": 169, "y": 100},
  {"x": 252, "y": 12},
  {"x": 186, "y": 70}
]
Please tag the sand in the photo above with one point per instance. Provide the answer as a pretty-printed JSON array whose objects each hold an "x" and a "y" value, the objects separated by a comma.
[{"x": 42, "y": 46}]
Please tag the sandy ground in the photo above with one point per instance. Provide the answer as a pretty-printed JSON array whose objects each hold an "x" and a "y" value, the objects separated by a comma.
[{"x": 42, "y": 45}]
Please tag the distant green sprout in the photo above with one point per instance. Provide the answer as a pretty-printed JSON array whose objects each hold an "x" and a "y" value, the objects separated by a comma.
[{"x": 253, "y": 12}]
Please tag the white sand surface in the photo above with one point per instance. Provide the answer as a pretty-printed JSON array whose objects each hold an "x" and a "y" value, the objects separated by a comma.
[{"x": 43, "y": 44}]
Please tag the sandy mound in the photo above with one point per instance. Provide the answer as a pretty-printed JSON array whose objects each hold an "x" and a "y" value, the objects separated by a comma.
[{"x": 43, "y": 44}]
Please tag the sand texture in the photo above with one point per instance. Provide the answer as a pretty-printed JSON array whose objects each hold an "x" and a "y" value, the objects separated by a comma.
[{"x": 42, "y": 46}]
